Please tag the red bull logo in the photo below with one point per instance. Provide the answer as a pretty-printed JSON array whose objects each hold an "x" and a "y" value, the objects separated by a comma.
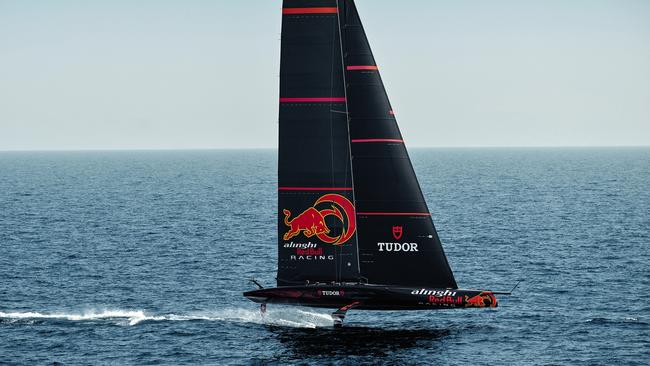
[
  {"x": 483, "y": 300},
  {"x": 311, "y": 222}
]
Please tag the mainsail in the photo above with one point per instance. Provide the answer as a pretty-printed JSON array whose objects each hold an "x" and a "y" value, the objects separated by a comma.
[
  {"x": 350, "y": 206},
  {"x": 316, "y": 223}
]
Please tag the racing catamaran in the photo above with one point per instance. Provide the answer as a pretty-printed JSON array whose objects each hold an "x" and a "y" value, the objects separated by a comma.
[{"x": 354, "y": 230}]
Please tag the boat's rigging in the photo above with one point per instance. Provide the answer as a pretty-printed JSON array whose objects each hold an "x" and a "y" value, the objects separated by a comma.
[
  {"x": 347, "y": 123},
  {"x": 339, "y": 260}
]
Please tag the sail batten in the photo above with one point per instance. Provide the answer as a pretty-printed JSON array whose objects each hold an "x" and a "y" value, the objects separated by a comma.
[
  {"x": 312, "y": 10},
  {"x": 314, "y": 100},
  {"x": 315, "y": 188},
  {"x": 361, "y": 67}
]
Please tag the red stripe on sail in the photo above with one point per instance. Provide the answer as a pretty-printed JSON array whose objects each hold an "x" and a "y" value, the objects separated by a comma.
[
  {"x": 393, "y": 214},
  {"x": 314, "y": 189},
  {"x": 377, "y": 140},
  {"x": 294, "y": 11},
  {"x": 353, "y": 68},
  {"x": 313, "y": 100}
]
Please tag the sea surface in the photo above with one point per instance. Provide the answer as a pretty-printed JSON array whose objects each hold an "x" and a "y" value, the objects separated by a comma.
[{"x": 142, "y": 257}]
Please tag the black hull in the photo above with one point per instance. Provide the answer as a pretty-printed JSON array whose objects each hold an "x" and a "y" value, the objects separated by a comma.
[{"x": 373, "y": 297}]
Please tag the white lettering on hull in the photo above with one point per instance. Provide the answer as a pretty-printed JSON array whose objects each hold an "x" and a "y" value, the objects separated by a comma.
[{"x": 436, "y": 293}]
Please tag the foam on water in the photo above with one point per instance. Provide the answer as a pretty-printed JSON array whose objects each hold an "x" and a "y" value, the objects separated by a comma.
[
  {"x": 288, "y": 317},
  {"x": 622, "y": 320},
  {"x": 133, "y": 316}
]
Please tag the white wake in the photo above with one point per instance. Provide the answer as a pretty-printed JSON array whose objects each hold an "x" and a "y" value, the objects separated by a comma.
[{"x": 289, "y": 317}]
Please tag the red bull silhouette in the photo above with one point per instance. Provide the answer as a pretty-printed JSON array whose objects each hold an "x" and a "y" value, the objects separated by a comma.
[
  {"x": 482, "y": 300},
  {"x": 311, "y": 222}
]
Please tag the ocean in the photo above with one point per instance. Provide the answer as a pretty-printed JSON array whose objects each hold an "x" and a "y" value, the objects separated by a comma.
[{"x": 141, "y": 257}]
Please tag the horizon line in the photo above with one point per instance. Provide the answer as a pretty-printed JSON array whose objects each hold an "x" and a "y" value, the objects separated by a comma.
[{"x": 276, "y": 148}]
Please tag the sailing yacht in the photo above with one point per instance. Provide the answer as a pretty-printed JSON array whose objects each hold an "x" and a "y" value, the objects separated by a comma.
[{"x": 354, "y": 230}]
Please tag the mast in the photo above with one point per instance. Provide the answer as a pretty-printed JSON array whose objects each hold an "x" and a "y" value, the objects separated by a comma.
[
  {"x": 316, "y": 214},
  {"x": 338, "y": 4},
  {"x": 397, "y": 241}
]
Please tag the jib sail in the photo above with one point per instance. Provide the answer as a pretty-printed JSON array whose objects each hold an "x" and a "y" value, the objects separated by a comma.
[
  {"x": 316, "y": 222},
  {"x": 398, "y": 243}
]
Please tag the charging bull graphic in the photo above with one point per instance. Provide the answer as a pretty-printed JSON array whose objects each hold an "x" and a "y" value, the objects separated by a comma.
[
  {"x": 311, "y": 222},
  {"x": 483, "y": 300}
]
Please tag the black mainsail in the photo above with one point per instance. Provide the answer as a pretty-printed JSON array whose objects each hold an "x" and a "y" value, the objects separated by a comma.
[
  {"x": 354, "y": 230},
  {"x": 316, "y": 223}
]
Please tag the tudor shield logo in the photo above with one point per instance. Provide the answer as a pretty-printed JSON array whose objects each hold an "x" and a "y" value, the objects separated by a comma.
[
  {"x": 311, "y": 222},
  {"x": 397, "y": 232}
]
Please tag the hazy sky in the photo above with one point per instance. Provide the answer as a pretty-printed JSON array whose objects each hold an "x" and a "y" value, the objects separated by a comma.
[{"x": 204, "y": 74}]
